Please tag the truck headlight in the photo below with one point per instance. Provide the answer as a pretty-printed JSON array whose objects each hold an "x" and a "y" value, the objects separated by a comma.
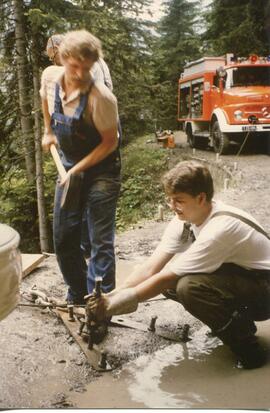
[{"x": 238, "y": 115}]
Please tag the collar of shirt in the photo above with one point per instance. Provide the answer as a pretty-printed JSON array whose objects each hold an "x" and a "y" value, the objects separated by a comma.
[
  {"x": 215, "y": 207},
  {"x": 75, "y": 94}
]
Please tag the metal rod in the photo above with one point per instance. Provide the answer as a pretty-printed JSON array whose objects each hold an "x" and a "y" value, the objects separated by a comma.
[
  {"x": 103, "y": 360},
  {"x": 152, "y": 326},
  {"x": 70, "y": 313},
  {"x": 49, "y": 305},
  {"x": 185, "y": 333},
  {"x": 82, "y": 324},
  {"x": 98, "y": 282}
]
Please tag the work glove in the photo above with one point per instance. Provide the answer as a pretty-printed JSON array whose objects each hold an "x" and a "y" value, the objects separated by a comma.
[{"x": 114, "y": 303}]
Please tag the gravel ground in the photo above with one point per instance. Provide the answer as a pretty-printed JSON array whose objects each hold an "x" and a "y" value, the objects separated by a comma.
[{"x": 41, "y": 364}]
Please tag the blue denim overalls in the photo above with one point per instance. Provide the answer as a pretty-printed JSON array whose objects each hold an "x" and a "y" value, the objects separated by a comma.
[{"x": 99, "y": 194}]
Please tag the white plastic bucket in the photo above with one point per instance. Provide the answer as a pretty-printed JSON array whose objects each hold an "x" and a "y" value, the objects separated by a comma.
[{"x": 10, "y": 270}]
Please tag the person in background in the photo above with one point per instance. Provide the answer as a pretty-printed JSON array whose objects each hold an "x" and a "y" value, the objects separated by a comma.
[
  {"x": 52, "y": 48},
  {"x": 213, "y": 258},
  {"x": 81, "y": 116}
]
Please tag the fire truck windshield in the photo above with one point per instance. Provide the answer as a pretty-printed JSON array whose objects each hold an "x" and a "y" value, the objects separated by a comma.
[{"x": 248, "y": 76}]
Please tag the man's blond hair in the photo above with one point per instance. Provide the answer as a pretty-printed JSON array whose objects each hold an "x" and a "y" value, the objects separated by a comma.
[{"x": 81, "y": 45}]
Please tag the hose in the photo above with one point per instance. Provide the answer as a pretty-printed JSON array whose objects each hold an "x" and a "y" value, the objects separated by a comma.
[{"x": 243, "y": 144}]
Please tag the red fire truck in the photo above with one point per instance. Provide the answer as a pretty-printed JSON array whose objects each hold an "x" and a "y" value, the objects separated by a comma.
[{"x": 221, "y": 99}]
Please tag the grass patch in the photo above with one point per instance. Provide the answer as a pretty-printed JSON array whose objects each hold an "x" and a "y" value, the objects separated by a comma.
[{"x": 143, "y": 164}]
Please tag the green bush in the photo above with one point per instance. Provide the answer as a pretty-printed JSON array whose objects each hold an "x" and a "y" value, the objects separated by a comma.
[
  {"x": 18, "y": 204},
  {"x": 143, "y": 164},
  {"x": 19, "y": 209}
]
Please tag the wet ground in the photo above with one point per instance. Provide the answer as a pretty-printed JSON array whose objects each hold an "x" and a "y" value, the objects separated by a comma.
[
  {"x": 198, "y": 374},
  {"x": 42, "y": 367}
]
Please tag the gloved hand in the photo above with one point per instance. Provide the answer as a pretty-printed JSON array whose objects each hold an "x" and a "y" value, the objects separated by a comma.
[{"x": 114, "y": 303}]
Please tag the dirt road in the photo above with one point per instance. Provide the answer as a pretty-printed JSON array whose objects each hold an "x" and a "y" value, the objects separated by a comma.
[{"x": 42, "y": 367}]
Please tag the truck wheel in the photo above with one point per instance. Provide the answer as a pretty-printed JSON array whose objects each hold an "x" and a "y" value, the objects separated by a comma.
[
  {"x": 197, "y": 142},
  {"x": 190, "y": 137},
  {"x": 192, "y": 140},
  {"x": 221, "y": 142}
]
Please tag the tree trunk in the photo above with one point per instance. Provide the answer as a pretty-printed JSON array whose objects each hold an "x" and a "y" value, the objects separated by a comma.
[
  {"x": 44, "y": 233},
  {"x": 24, "y": 96}
]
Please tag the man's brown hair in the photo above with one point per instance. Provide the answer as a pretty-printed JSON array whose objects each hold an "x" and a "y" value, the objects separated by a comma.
[
  {"x": 80, "y": 44},
  {"x": 190, "y": 177}
]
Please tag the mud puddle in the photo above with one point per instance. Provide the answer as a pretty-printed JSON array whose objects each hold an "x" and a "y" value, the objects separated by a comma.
[{"x": 197, "y": 374}]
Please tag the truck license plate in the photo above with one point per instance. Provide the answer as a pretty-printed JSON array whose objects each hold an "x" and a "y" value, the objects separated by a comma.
[{"x": 250, "y": 128}]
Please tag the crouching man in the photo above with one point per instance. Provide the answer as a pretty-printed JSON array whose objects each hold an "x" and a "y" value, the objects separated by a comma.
[{"x": 221, "y": 273}]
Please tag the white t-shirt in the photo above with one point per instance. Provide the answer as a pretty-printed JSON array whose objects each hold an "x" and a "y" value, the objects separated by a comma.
[
  {"x": 102, "y": 104},
  {"x": 222, "y": 239},
  {"x": 101, "y": 73}
]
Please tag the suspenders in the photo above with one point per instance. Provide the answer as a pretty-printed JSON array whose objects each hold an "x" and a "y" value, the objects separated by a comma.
[
  {"x": 187, "y": 233},
  {"x": 243, "y": 219}
]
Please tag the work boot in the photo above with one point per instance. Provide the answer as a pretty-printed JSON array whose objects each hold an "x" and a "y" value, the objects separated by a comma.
[
  {"x": 239, "y": 335},
  {"x": 250, "y": 354}
]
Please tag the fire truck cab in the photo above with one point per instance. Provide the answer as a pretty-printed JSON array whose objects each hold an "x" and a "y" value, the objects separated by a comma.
[{"x": 221, "y": 99}]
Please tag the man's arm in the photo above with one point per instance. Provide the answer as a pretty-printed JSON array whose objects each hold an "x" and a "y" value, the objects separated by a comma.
[
  {"x": 153, "y": 265},
  {"x": 147, "y": 281},
  {"x": 155, "y": 285},
  {"x": 48, "y": 137},
  {"x": 126, "y": 300},
  {"x": 47, "y": 77}
]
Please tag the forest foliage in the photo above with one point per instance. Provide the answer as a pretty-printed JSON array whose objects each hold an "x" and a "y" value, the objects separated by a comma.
[{"x": 145, "y": 58}]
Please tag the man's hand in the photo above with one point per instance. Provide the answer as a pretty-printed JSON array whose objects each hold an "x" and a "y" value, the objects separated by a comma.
[
  {"x": 66, "y": 178},
  {"x": 48, "y": 139},
  {"x": 97, "y": 306},
  {"x": 115, "y": 303}
]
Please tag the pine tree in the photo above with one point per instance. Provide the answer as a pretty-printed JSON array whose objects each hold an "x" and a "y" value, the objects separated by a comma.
[
  {"x": 126, "y": 41},
  {"x": 24, "y": 35},
  {"x": 177, "y": 43},
  {"x": 239, "y": 27}
]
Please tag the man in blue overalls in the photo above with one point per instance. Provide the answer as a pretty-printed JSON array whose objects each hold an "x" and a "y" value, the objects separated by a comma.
[
  {"x": 82, "y": 118},
  {"x": 99, "y": 72}
]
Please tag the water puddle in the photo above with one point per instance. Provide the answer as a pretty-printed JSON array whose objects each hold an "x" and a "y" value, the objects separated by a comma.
[
  {"x": 153, "y": 376},
  {"x": 148, "y": 376},
  {"x": 198, "y": 374}
]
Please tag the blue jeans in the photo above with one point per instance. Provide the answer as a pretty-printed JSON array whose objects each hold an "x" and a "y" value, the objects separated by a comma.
[
  {"x": 85, "y": 241},
  {"x": 98, "y": 198}
]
